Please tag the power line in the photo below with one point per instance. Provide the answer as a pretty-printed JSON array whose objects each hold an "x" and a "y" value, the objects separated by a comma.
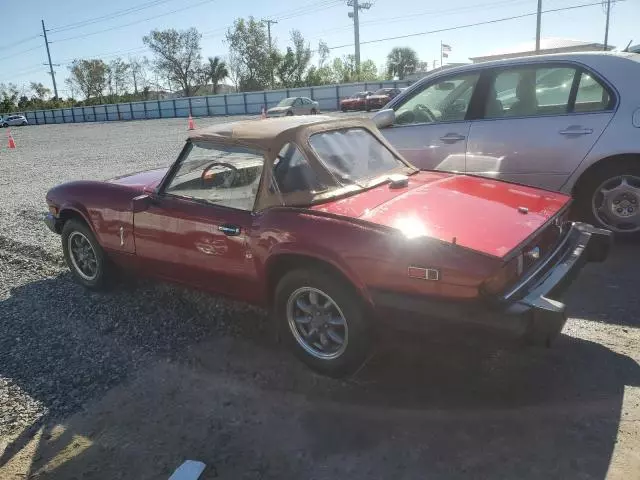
[
  {"x": 21, "y": 52},
  {"x": 19, "y": 42},
  {"x": 109, "y": 16},
  {"x": 133, "y": 23},
  {"x": 460, "y": 27}
]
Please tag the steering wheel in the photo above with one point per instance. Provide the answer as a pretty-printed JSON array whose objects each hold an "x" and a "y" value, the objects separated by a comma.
[
  {"x": 204, "y": 179},
  {"x": 422, "y": 111}
]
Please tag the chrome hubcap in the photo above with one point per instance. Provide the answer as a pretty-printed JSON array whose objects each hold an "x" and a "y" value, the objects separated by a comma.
[
  {"x": 317, "y": 323},
  {"x": 616, "y": 203},
  {"x": 82, "y": 256}
]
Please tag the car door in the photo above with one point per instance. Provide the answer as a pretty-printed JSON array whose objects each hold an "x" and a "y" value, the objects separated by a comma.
[
  {"x": 298, "y": 107},
  {"x": 195, "y": 229},
  {"x": 431, "y": 125},
  {"x": 539, "y": 123}
]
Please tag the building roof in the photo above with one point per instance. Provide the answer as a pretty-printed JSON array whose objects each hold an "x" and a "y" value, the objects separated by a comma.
[{"x": 547, "y": 45}]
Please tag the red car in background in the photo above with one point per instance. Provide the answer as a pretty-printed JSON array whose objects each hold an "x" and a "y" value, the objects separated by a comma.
[
  {"x": 380, "y": 98},
  {"x": 355, "y": 102}
]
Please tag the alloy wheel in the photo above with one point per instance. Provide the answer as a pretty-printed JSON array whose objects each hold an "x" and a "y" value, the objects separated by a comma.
[
  {"x": 83, "y": 256},
  {"x": 616, "y": 203},
  {"x": 317, "y": 323}
]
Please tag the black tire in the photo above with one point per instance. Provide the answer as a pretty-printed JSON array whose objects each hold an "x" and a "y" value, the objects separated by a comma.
[
  {"x": 358, "y": 337},
  {"x": 24, "y": 124},
  {"x": 589, "y": 186},
  {"x": 5, "y": 125},
  {"x": 314, "y": 111},
  {"x": 289, "y": 113},
  {"x": 344, "y": 110},
  {"x": 105, "y": 272}
]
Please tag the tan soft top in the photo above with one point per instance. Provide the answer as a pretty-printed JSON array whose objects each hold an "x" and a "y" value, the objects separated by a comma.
[{"x": 267, "y": 134}]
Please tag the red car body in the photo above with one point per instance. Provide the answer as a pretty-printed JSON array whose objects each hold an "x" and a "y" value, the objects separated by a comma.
[
  {"x": 381, "y": 97},
  {"x": 440, "y": 244},
  {"x": 355, "y": 102}
]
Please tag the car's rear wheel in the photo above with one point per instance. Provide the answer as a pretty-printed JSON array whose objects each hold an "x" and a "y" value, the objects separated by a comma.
[
  {"x": 323, "y": 320},
  {"x": 289, "y": 113},
  {"x": 84, "y": 256},
  {"x": 610, "y": 198},
  {"x": 314, "y": 111},
  {"x": 24, "y": 124},
  {"x": 5, "y": 125},
  {"x": 344, "y": 109}
]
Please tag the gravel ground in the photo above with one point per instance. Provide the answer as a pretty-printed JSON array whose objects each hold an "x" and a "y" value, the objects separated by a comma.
[{"x": 90, "y": 383}]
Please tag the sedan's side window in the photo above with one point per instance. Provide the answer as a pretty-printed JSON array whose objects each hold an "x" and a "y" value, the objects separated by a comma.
[
  {"x": 445, "y": 101},
  {"x": 225, "y": 176},
  {"x": 530, "y": 91},
  {"x": 591, "y": 95},
  {"x": 292, "y": 172}
]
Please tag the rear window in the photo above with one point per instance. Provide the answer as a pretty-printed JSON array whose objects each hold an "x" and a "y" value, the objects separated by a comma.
[{"x": 354, "y": 155}]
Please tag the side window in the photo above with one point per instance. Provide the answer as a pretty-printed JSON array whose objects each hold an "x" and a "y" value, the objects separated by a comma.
[
  {"x": 445, "y": 101},
  {"x": 297, "y": 102},
  {"x": 226, "y": 176},
  {"x": 292, "y": 172},
  {"x": 526, "y": 92},
  {"x": 591, "y": 95}
]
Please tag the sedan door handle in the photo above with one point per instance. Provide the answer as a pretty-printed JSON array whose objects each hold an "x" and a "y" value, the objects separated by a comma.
[
  {"x": 452, "y": 138},
  {"x": 576, "y": 130},
  {"x": 230, "y": 230}
]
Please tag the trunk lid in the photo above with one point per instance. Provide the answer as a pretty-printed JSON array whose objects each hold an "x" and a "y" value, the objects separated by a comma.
[{"x": 481, "y": 214}]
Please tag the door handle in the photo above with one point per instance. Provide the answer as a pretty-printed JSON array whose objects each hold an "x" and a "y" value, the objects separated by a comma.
[
  {"x": 452, "y": 138},
  {"x": 576, "y": 130},
  {"x": 229, "y": 230}
]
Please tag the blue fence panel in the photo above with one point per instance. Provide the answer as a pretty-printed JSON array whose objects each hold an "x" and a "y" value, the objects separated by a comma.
[
  {"x": 68, "y": 115},
  {"x": 153, "y": 109},
  {"x": 326, "y": 97},
  {"x": 216, "y": 105},
  {"x": 255, "y": 102},
  {"x": 111, "y": 112},
  {"x": 199, "y": 107},
  {"x": 235, "y": 104},
  {"x": 182, "y": 107}
]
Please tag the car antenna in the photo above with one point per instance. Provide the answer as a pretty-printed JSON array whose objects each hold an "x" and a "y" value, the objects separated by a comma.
[{"x": 626, "y": 49}]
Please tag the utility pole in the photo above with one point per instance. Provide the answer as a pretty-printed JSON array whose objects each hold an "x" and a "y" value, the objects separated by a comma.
[
  {"x": 269, "y": 22},
  {"x": 606, "y": 28},
  {"x": 357, "y": 6},
  {"x": 53, "y": 75},
  {"x": 538, "y": 20}
]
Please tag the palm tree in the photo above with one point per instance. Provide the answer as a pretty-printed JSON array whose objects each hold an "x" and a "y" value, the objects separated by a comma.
[
  {"x": 216, "y": 71},
  {"x": 401, "y": 61}
]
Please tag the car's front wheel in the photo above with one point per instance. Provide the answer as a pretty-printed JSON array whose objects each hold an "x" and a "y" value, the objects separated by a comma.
[
  {"x": 5, "y": 125},
  {"x": 610, "y": 198},
  {"x": 289, "y": 113},
  {"x": 24, "y": 124},
  {"x": 84, "y": 256},
  {"x": 323, "y": 320}
]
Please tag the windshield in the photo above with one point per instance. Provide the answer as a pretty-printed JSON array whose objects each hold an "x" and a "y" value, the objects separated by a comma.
[
  {"x": 287, "y": 102},
  {"x": 354, "y": 156}
]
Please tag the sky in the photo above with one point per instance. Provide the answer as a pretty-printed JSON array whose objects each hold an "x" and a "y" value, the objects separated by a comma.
[{"x": 100, "y": 29}]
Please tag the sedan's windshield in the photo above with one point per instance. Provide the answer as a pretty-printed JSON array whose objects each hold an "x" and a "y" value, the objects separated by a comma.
[
  {"x": 354, "y": 156},
  {"x": 287, "y": 102}
]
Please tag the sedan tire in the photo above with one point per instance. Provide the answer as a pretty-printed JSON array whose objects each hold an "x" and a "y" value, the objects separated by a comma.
[
  {"x": 85, "y": 257},
  {"x": 323, "y": 320},
  {"x": 609, "y": 198}
]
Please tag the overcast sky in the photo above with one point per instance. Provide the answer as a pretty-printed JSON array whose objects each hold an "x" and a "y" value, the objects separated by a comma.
[{"x": 22, "y": 51}]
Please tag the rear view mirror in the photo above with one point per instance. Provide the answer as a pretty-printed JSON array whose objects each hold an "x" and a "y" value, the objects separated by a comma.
[
  {"x": 447, "y": 86},
  {"x": 384, "y": 118}
]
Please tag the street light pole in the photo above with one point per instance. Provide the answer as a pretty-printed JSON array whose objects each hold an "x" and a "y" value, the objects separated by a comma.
[
  {"x": 53, "y": 75},
  {"x": 606, "y": 28}
]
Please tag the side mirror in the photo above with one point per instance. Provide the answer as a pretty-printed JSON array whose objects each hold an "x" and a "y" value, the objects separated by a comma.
[{"x": 384, "y": 118}]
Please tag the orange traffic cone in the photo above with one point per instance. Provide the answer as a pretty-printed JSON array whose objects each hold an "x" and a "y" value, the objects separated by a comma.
[
  {"x": 192, "y": 125},
  {"x": 264, "y": 113},
  {"x": 12, "y": 143}
]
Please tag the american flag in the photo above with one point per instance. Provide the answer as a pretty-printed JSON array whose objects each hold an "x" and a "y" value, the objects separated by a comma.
[{"x": 445, "y": 49}]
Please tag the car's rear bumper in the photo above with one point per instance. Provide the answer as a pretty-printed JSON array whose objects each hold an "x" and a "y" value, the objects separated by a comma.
[{"x": 532, "y": 309}]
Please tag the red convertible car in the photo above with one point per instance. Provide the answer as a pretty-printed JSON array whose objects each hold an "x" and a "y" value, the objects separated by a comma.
[{"x": 322, "y": 221}]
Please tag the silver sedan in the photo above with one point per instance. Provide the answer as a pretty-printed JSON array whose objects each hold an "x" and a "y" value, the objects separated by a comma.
[
  {"x": 13, "y": 120},
  {"x": 294, "y": 106},
  {"x": 568, "y": 122}
]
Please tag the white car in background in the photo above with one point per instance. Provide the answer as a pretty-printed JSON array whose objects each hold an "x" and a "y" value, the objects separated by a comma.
[
  {"x": 564, "y": 122},
  {"x": 13, "y": 121}
]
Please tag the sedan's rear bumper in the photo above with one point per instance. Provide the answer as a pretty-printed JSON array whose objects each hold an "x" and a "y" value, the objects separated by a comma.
[{"x": 532, "y": 309}]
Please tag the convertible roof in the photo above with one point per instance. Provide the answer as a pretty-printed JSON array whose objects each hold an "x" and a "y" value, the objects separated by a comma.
[{"x": 263, "y": 133}]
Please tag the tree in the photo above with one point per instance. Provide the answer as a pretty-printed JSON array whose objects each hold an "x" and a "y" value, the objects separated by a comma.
[
  {"x": 401, "y": 61},
  {"x": 323, "y": 53},
  {"x": 8, "y": 97},
  {"x": 89, "y": 76},
  {"x": 249, "y": 54},
  {"x": 302, "y": 57},
  {"x": 138, "y": 68},
  {"x": 368, "y": 71},
  {"x": 118, "y": 76},
  {"x": 40, "y": 90},
  {"x": 215, "y": 71},
  {"x": 177, "y": 55}
]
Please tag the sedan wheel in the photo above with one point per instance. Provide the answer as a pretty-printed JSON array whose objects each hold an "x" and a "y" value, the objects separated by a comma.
[
  {"x": 83, "y": 257},
  {"x": 616, "y": 204},
  {"x": 322, "y": 318}
]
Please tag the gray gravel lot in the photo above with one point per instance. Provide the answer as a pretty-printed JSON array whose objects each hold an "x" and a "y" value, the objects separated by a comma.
[{"x": 137, "y": 380}]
